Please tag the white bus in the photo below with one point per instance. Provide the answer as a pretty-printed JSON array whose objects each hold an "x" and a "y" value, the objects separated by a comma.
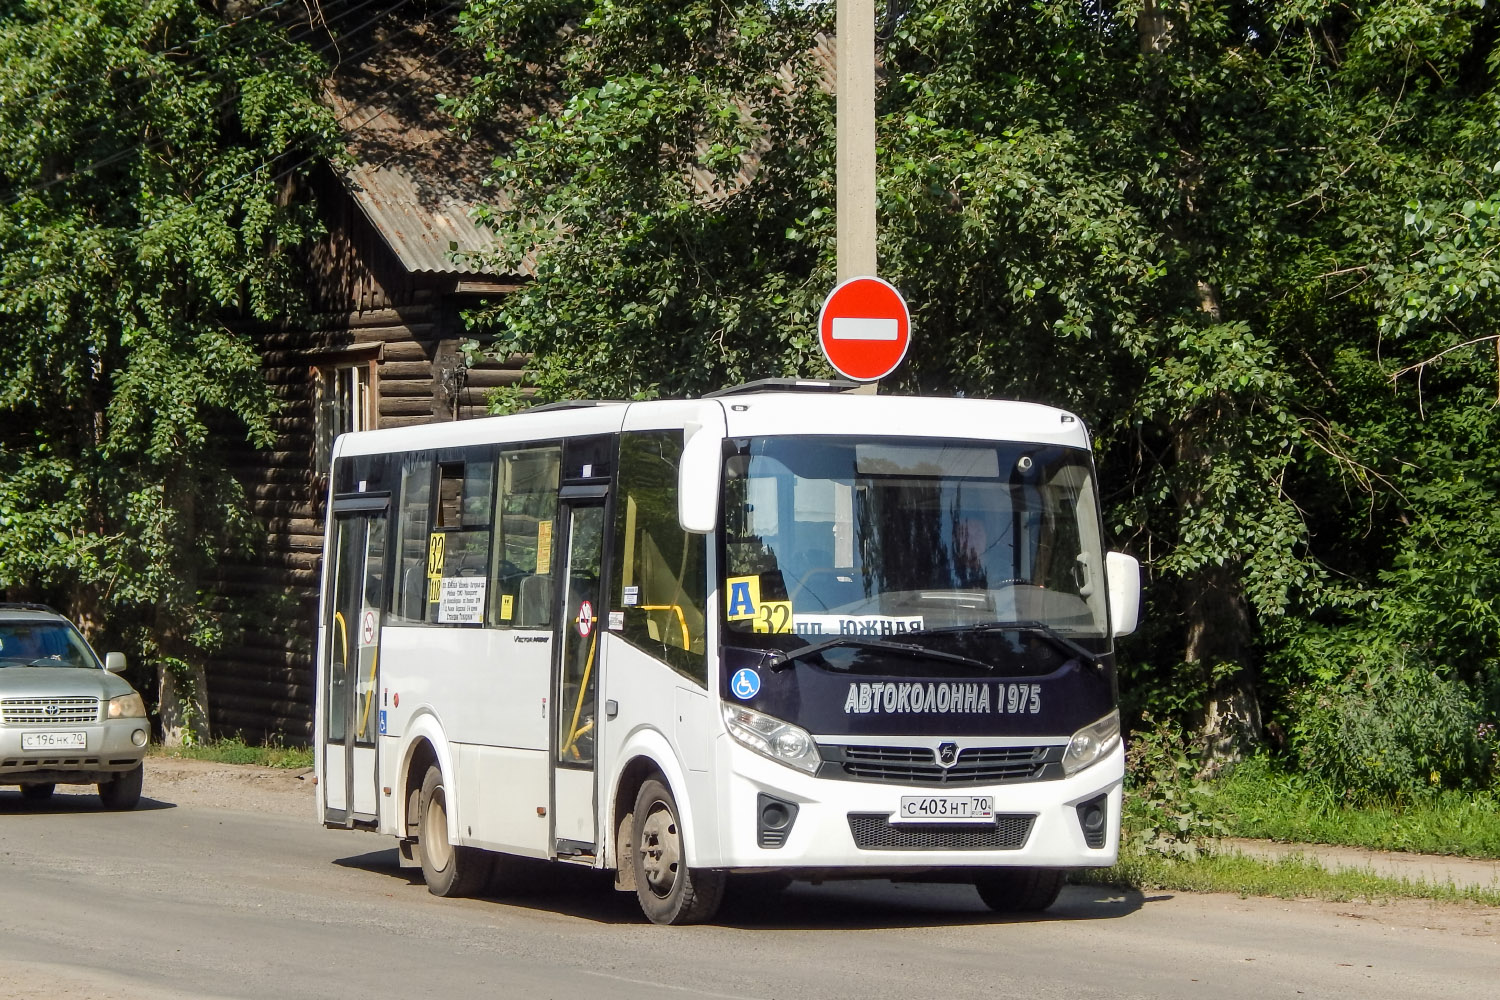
[{"x": 779, "y": 630}]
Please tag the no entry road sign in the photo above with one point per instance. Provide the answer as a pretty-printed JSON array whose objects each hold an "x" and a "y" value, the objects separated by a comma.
[{"x": 864, "y": 328}]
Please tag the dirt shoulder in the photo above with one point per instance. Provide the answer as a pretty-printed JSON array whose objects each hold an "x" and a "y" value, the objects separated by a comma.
[{"x": 208, "y": 785}]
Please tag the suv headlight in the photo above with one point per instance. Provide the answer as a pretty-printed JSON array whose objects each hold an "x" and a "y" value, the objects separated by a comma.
[
  {"x": 127, "y": 706},
  {"x": 770, "y": 737},
  {"x": 1091, "y": 743}
]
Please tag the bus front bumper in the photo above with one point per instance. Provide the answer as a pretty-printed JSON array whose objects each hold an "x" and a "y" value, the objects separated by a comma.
[{"x": 830, "y": 825}]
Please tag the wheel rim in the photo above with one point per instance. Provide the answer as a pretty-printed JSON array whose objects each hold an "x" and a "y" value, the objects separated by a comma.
[
  {"x": 661, "y": 849},
  {"x": 435, "y": 833}
]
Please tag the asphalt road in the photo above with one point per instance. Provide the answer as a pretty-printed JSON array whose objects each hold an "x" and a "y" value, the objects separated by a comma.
[{"x": 210, "y": 891}]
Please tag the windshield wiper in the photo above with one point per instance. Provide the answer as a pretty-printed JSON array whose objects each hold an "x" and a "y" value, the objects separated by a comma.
[
  {"x": 885, "y": 646},
  {"x": 1042, "y": 629}
]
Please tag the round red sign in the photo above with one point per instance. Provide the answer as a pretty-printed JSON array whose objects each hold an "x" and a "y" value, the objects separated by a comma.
[
  {"x": 585, "y": 619},
  {"x": 864, "y": 328}
]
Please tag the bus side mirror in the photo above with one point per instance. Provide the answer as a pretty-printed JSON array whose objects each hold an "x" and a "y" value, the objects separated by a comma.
[
  {"x": 698, "y": 481},
  {"x": 1123, "y": 574},
  {"x": 114, "y": 662}
]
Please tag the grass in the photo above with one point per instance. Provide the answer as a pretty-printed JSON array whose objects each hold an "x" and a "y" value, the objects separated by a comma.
[
  {"x": 1284, "y": 878},
  {"x": 236, "y": 751},
  {"x": 1263, "y": 802}
]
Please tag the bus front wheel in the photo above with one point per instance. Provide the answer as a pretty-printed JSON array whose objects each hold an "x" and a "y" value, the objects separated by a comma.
[
  {"x": 669, "y": 891},
  {"x": 1020, "y": 890},
  {"x": 448, "y": 870}
]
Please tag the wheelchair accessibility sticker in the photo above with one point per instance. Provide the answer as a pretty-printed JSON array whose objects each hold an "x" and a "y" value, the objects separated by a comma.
[{"x": 745, "y": 684}]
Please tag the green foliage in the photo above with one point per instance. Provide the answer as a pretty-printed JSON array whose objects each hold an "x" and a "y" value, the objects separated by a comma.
[
  {"x": 234, "y": 750},
  {"x": 1391, "y": 732},
  {"x": 1170, "y": 808},
  {"x": 143, "y": 201},
  {"x": 1244, "y": 241},
  {"x": 1268, "y": 799},
  {"x": 1293, "y": 877}
]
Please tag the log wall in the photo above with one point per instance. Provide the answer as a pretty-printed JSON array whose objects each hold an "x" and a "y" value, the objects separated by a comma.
[{"x": 262, "y": 684}]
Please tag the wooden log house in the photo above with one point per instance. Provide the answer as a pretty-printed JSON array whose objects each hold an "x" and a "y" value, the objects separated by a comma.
[{"x": 388, "y": 286}]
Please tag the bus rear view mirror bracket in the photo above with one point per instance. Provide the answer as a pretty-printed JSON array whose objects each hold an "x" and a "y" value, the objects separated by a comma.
[
  {"x": 698, "y": 479},
  {"x": 1123, "y": 574}
]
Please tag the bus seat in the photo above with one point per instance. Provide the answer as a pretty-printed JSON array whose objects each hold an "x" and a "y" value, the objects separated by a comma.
[{"x": 534, "y": 601}]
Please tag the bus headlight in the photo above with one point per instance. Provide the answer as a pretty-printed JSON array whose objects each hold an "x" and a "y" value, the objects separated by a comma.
[
  {"x": 770, "y": 737},
  {"x": 127, "y": 706},
  {"x": 1091, "y": 743}
]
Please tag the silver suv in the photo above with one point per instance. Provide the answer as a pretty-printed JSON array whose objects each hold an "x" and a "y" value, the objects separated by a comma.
[{"x": 64, "y": 716}]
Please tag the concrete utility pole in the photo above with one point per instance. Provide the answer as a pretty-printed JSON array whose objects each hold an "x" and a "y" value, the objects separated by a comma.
[{"x": 855, "y": 199}]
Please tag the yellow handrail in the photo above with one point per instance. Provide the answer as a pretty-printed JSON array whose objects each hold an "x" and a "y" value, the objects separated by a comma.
[
  {"x": 364, "y": 713},
  {"x": 681, "y": 619},
  {"x": 583, "y": 686}
]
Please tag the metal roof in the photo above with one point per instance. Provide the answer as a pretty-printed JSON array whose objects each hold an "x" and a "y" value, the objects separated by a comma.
[{"x": 424, "y": 227}]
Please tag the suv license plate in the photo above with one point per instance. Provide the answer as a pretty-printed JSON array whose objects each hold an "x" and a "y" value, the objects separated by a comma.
[
  {"x": 54, "y": 741},
  {"x": 946, "y": 809}
]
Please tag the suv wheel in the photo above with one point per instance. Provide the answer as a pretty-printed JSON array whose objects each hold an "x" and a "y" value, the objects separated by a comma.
[
  {"x": 123, "y": 791},
  {"x": 41, "y": 791}
]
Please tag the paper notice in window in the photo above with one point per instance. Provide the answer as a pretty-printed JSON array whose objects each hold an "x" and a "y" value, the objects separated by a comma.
[
  {"x": 462, "y": 600},
  {"x": 544, "y": 547}
]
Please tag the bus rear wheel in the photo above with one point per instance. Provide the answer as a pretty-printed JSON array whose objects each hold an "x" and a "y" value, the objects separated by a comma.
[
  {"x": 668, "y": 890},
  {"x": 1020, "y": 890},
  {"x": 448, "y": 870}
]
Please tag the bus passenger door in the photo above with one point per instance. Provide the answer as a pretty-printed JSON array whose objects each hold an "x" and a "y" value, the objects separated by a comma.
[
  {"x": 577, "y": 672},
  {"x": 352, "y": 663}
]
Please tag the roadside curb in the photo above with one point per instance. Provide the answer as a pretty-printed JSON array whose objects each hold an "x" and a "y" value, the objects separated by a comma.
[{"x": 1433, "y": 869}]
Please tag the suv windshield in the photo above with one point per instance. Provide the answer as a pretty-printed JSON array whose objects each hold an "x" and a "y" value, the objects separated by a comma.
[
  {"x": 43, "y": 644},
  {"x": 883, "y": 538}
]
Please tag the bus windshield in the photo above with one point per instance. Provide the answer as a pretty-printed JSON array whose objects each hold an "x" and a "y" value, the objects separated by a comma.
[{"x": 883, "y": 538}]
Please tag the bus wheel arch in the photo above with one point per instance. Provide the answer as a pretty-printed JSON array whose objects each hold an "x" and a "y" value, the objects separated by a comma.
[
  {"x": 420, "y": 756},
  {"x": 632, "y": 776},
  {"x": 447, "y": 868}
]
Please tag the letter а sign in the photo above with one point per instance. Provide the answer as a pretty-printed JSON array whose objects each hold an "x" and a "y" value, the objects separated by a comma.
[{"x": 864, "y": 329}]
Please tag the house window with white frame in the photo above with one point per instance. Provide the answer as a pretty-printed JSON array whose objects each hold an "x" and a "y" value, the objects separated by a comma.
[{"x": 342, "y": 402}]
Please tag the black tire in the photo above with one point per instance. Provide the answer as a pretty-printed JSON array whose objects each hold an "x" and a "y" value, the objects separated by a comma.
[
  {"x": 39, "y": 791},
  {"x": 1020, "y": 890},
  {"x": 668, "y": 890},
  {"x": 123, "y": 791},
  {"x": 449, "y": 870}
]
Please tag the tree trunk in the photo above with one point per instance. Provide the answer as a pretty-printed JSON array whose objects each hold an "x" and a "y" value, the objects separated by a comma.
[{"x": 1218, "y": 636}]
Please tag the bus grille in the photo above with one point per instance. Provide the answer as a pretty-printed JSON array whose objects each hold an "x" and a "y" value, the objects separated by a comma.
[
  {"x": 876, "y": 832},
  {"x": 48, "y": 711},
  {"x": 919, "y": 765}
]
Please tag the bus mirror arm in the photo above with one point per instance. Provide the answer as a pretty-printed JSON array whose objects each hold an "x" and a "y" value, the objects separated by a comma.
[
  {"x": 1123, "y": 575},
  {"x": 698, "y": 479}
]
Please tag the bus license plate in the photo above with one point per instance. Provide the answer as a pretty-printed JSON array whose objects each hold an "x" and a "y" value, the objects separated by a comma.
[
  {"x": 54, "y": 741},
  {"x": 946, "y": 809}
]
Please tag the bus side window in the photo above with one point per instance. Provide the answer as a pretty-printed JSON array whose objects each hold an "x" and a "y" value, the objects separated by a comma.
[
  {"x": 661, "y": 570},
  {"x": 409, "y": 600},
  {"x": 465, "y": 497},
  {"x": 525, "y": 521}
]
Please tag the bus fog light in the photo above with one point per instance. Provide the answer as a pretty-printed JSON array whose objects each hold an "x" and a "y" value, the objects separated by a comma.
[
  {"x": 775, "y": 820},
  {"x": 1091, "y": 743},
  {"x": 770, "y": 737},
  {"x": 1093, "y": 819}
]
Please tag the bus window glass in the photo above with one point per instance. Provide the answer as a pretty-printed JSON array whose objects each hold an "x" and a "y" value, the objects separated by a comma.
[
  {"x": 825, "y": 535},
  {"x": 458, "y": 550},
  {"x": 409, "y": 600},
  {"x": 661, "y": 570},
  {"x": 521, "y": 578}
]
